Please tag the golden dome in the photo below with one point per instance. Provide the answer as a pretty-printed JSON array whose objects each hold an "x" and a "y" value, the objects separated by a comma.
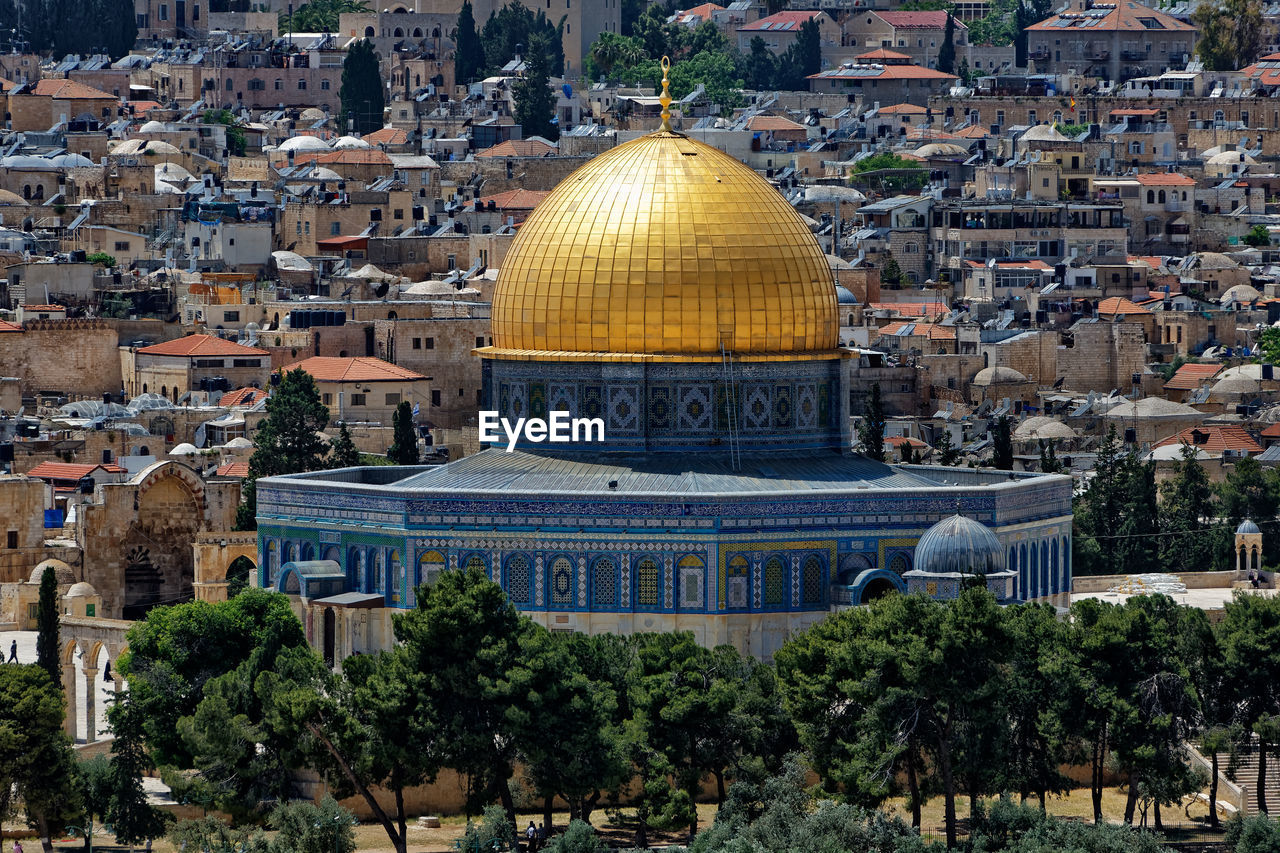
[{"x": 663, "y": 247}]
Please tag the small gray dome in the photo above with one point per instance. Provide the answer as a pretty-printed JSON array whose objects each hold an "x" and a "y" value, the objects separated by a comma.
[
  {"x": 844, "y": 296},
  {"x": 1247, "y": 528},
  {"x": 959, "y": 545}
]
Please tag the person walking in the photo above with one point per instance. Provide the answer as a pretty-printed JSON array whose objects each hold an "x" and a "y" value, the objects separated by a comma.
[
  {"x": 13, "y": 652},
  {"x": 531, "y": 836}
]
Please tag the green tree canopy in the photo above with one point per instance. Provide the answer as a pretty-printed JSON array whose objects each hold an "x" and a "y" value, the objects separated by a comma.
[
  {"x": 468, "y": 57},
  {"x": 404, "y": 439},
  {"x": 319, "y": 16},
  {"x": 871, "y": 427},
  {"x": 535, "y": 103}
]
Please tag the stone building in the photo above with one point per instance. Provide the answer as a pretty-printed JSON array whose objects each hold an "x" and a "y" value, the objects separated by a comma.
[
  {"x": 1114, "y": 41},
  {"x": 140, "y": 533},
  {"x": 173, "y": 368},
  {"x": 365, "y": 390},
  {"x": 77, "y": 357}
]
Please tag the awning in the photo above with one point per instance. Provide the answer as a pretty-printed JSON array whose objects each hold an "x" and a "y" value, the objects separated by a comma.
[{"x": 353, "y": 599}]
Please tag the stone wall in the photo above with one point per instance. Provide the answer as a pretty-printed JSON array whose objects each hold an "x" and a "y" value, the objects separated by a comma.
[
  {"x": 1033, "y": 354},
  {"x": 500, "y": 174},
  {"x": 76, "y": 357},
  {"x": 22, "y": 505},
  {"x": 1102, "y": 356}
]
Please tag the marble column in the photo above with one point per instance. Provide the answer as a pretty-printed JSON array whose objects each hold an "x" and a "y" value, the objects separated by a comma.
[
  {"x": 69, "y": 684},
  {"x": 90, "y": 707}
]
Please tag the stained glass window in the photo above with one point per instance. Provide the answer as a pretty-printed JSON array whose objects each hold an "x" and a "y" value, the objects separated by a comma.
[
  {"x": 898, "y": 565},
  {"x": 811, "y": 581},
  {"x": 562, "y": 581},
  {"x": 604, "y": 583},
  {"x": 647, "y": 583},
  {"x": 476, "y": 563},
  {"x": 518, "y": 579},
  {"x": 430, "y": 565},
  {"x": 773, "y": 582},
  {"x": 738, "y": 582}
]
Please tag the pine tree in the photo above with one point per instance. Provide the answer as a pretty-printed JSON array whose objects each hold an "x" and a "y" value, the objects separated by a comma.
[
  {"x": 535, "y": 105},
  {"x": 948, "y": 454},
  {"x": 135, "y": 821},
  {"x": 947, "y": 53},
  {"x": 404, "y": 443},
  {"x": 871, "y": 430},
  {"x": 47, "y": 642},
  {"x": 362, "y": 93},
  {"x": 342, "y": 450},
  {"x": 287, "y": 441},
  {"x": 891, "y": 273},
  {"x": 468, "y": 61}
]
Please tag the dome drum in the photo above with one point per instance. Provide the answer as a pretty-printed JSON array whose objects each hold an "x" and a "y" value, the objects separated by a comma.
[{"x": 779, "y": 406}]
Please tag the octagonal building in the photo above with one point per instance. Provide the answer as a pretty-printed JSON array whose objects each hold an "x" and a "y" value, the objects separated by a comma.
[{"x": 669, "y": 292}]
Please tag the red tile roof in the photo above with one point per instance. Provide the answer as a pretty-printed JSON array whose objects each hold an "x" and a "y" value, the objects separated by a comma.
[
  {"x": 242, "y": 397},
  {"x": 519, "y": 148},
  {"x": 887, "y": 72},
  {"x": 516, "y": 199},
  {"x": 902, "y": 109},
  {"x": 56, "y": 87},
  {"x": 387, "y": 136},
  {"x": 702, "y": 12},
  {"x": 931, "y": 20},
  {"x": 1165, "y": 179},
  {"x": 6, "y": 326},
  {"x": 911, "y": 309},
  {"x": 773, "y": 123},
  {"x": 1190, "y": 376},
  {"x": 903, "y": 440},
  {"x": 359, "y": 369},
  {"x": 1123, "y": 15},
  {"x": 239, "y": 470},
  {"x": 70, "y": 471},
  {"x": 880, "y": 55},
  {"x": 1118, "y": 305},
  {"x": 780, "y": 23},
  {"x": 201, "y": 345},
  {"x": 1215, "y": 439},
  {"x": 1272, "y": 431}
]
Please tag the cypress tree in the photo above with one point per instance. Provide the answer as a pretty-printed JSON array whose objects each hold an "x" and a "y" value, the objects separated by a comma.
[
  {"x": 468, "y": 58},
  {"x": 404, "y": 444},
  {"x": 362, "y": 92},
  {"x": 343, "y": 452},
  {"x": 871, "y": 430},
  {"x": 947, "y": 53},
  {"x": 535, "y": 105},
  {"x": 47, "y": 642}
]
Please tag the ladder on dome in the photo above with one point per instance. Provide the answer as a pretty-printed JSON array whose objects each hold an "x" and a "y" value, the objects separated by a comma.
[{"x": 731, "y": 407}]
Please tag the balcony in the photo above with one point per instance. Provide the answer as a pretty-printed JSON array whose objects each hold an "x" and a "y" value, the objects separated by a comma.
[
  {"x": 1039, "y": 54},
  {"x": 1134, "y": 55}
]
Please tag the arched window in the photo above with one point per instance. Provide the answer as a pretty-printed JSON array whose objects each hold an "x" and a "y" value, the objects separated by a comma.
[
  {"x": 648, "y": 583},
  {"x": 430, "y": 565},
  {"x": 369, "y": 32},
  {"x": 811, "y": 580},
  {"x": 739, "y": 582},
  {"x": 1024, "y": 569},
  {"x": 307, "y": 552},
  {"x": 417, "y": 32},
  {"x": 1053, "y": 568},
  {"x": 1034, "y": 572},
  {"x": 899, "y": 565},
  {"x": 1066, "y": 563},
  {"x": 1013, "y": 567},
  {"x": 395, "y": 577},
  {"x": 1151, "y": 196},
  {"x": 519, "y": 579},
  {"x": 353, "y": 576},
  {"x": 380, "y": 572},
  {"x": 1044, "y": 569},
  {"x": 562, "y": 582},
  {"x": 398, "y": 33},
  {"x": 476, "y": 563},
  {"x": 692, "y": 573},
  {"x": 362, "y": 571},
  {"x": 774, "y": 582},
  {"x": 272, "y": 563},
  {"x": 1160, "y": 197},
  {"x": 604, "y": 583},
  {"x": 288, "y": 552}
]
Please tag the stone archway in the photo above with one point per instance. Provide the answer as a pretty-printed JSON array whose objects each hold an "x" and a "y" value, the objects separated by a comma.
[
  {"x": 90, "y": 648},
  {"x": 214, "y": 554}
]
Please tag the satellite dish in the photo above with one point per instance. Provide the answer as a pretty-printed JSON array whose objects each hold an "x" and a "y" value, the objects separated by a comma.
[{"x": 381, "y": 289}]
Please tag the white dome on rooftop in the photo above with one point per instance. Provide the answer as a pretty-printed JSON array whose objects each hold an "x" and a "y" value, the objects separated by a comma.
[
  {"x": 184, "y": 449},
  {"x": 152, "y": 126},
  {"x": 303, "y": 143},
  {"x": 350, "y": 142}
]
